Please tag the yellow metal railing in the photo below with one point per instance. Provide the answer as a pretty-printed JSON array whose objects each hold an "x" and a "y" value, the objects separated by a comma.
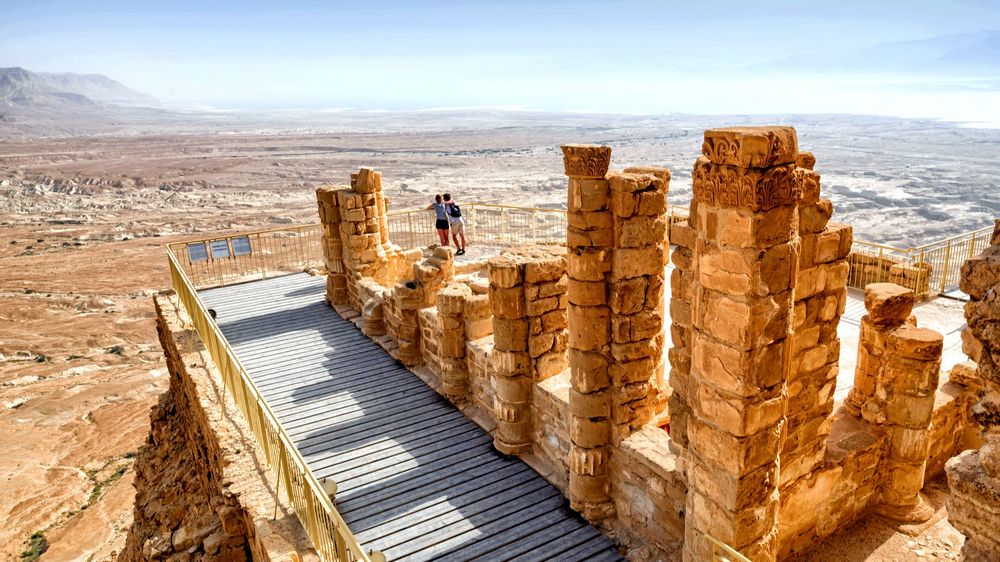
[
  {"x": 234, "y": 258},
  {"x": 495, "y": 224},
  {"x": 928, "y": 269},
  {"x": 722, "y": 552},
  {"x": 328, "y": 532}
]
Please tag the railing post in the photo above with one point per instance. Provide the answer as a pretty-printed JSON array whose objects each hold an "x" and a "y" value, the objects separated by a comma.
[
  {"x": 503, "y": 224},
  {"x": 878, "y": 270},
  {"x": 409, "y": 228},
  {"x": 472, "y": 222},
  {"x": 923, "y": 273},
  {"x": 534, "y": 236},
  {"x": 947, "y": 261}
]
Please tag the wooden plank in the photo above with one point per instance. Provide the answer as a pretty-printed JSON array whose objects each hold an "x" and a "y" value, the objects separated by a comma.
[
  {"x": 480, "y": 491},
  {"x": 391, "y": 466},
  {"x": 609, "y": 555},
  {"x": 351, "y": 403},
  {"x": 509, "y": 544},
  {"x": 427, "y": 545},
  {"x": 321, "y": 436},
  {"x": 364, "y": 452},
  {"x": 411, "y": 470},
  {"x": 414, "y": 474},
  {"x": 435, "y": 530},
  {"x": 443, "y": 474},
  {"x": 426, "y": 485},
  {"x": 565, "y": 543},
  {"x": 582, "y": 551},
  {"x": 519, "y": 532}
]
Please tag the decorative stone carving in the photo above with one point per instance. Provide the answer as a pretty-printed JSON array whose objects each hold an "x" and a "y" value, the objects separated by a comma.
[
  {"x": 750, "y": 189},
  {"x": 586, "y": 161},
  {"x": 751, "y": 147}
]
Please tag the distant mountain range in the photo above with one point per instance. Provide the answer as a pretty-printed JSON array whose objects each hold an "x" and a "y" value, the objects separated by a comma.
[{"x": 23, "y": 88}]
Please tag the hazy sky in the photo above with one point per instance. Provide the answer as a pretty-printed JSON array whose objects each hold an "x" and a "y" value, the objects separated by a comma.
[{"x": 651, "y": 57}]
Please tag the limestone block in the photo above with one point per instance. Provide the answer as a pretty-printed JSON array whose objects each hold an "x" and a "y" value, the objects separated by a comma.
[
  {"x": 583, "y": 293},
  {"x": 735, "y": 455},
  {"x": 507, "y": 302},
  {"x": 751, "y": 147},
  {"x": 592, "y": 329},
  {"x": 732, "y": 493},
  {"x": 642, "y": 231},
  {"x": 734, "y": 414},
  {"x": 888, "y": 304},
  {"x": 588, "y": 370},
  {"x": 681, "y": 234},
  {"x": 636, "y": 262},
  {"x": 736, "y": 371},
  {"x": 743, "y": 229},
  {"x": 589, "y": 194},
  {"x": 588, "y": 265}
]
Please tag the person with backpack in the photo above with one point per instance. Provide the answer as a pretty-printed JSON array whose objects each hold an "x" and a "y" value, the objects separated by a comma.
[
  {"x": 441, "y": 219},
  {"x": 457, "y": 223}
]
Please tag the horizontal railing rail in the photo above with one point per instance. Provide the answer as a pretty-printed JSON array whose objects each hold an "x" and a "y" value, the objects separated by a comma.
[
  {"x": 247, "y": 256},
  {"x": 928, "y": 269},
  {"x": 328, "y": 532}
]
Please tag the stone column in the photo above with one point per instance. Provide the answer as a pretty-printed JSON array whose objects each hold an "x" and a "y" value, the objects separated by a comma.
[
  {"x": 974, "y": 476},
  {"x": 682, "y": 281},
  {"x": 898, "y": 367},
  {"x": 589, "y": 237},
  {"x": 527, "y": 296},
  {"x": 635, "y": 290},
  {"x": 454, "y": 374},
  {"x": 617, "y": 250},
  {"x": 820, "y": 298},
  {"x": 745, "y": 264},
  {"x": 333, "y": 248},
  {"x": 359, "y": 227}
]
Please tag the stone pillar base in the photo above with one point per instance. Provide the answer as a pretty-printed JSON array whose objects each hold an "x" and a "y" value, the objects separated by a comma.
[
  {"x": 594, "y": 512},
  {"x": 919, "y": 513},
  {"x": 512, "y": 449}
]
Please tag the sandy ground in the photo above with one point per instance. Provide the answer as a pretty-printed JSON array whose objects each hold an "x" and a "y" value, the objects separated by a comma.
[{"x": 82, "y": 221}]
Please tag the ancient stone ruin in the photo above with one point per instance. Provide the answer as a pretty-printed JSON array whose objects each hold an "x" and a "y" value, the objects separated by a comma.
[
  {"x": 729, "y": 430},
  {"x": 563, "y": 352}
]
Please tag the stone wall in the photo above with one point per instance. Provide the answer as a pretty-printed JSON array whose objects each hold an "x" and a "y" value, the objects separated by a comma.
[{"x": 200, "y": 492}]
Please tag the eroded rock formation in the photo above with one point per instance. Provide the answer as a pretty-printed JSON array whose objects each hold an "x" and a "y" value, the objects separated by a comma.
[{"x": 974, "y": 476}]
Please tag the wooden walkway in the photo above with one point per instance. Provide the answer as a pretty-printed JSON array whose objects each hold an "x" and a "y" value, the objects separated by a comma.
[{"x": 416, "y": 478}]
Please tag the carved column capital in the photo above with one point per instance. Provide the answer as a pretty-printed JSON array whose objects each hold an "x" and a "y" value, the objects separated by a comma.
[{"x": 585, "y": 161}]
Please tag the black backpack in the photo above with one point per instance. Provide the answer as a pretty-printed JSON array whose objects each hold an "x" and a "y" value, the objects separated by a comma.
[{"x": 454, "y": 211}]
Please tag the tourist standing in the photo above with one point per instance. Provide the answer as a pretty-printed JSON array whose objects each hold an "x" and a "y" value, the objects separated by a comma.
[
  {"x": 457, "y": 223},
  {"x": 440, "y": 219}
]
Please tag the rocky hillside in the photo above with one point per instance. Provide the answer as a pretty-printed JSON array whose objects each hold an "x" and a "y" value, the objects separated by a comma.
[{"x": 20, "y": 87}]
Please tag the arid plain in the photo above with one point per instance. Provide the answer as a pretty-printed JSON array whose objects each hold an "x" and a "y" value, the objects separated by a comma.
[{"x": 83, "y": 220}]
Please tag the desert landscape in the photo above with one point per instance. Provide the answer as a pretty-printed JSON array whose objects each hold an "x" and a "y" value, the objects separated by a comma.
[{"x": 89, "y": 196}]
